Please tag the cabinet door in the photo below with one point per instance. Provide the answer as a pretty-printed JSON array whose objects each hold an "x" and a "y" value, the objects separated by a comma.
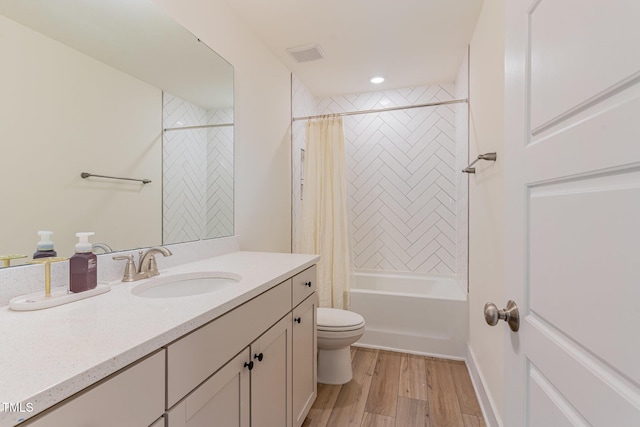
[
  {"x": 193, "y": 358},
  {"x": 222, "y": 400},
  {"x": 271, "y": 378},
  {"x": 133, "y": 396},
  {"x": 304, "y": 359}
]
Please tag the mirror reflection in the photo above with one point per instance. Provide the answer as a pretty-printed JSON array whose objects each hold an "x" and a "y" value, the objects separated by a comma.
[{"x": 115, "y": 89}]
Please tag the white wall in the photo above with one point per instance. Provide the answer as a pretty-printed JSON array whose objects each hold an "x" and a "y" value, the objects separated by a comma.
[
  {"x": 63, "y": 113},
  {"x": 486, "y": 198},
  {"x": 462, "y": 179},
  {"x": 262, "y": 122},
  {"x": 303, "y": 104}
]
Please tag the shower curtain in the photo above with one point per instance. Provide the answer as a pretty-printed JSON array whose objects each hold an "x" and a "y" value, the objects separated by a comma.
[{"x": 324, "y": 209}]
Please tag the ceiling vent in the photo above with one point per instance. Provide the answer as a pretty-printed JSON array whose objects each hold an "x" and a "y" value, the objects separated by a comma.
[{"x": 306, "y": 53}]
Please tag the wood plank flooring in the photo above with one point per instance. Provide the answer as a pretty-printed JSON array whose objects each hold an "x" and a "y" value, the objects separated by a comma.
[{"x": 398, "y": 390}]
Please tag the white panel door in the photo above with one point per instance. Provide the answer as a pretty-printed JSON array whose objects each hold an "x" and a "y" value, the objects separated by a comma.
[{"x": 572, "y": 188}]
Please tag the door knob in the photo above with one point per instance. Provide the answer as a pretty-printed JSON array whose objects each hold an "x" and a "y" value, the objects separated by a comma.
[{"x": 510, "y": 315}]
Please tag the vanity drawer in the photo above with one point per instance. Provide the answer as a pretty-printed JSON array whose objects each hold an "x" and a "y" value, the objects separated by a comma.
[
  {"x": 304, "y": 284},
  {"x": 132, "y": 397},
  {"x": 192, "y": 359}
]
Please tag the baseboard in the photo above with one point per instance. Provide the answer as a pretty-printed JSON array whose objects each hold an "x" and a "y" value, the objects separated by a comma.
[
  {"x": 489, "y": 410},
  {"x": 445, "y": 346},
  {"x": 402, "y": 350}
]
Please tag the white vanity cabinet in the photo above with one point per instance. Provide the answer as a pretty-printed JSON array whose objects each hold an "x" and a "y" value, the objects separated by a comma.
[
  {"x": 133, "y": 396},
  {"x": 222, "y": 400},
  {"x": 196, "y": 356},
  {"x": 159, "y": 423},
  {"x": 254, "y": 366},
  {"x": 251, "y": 390},
  {"x": 271, "y": 376},
  {"x": 304, "y": 370}
]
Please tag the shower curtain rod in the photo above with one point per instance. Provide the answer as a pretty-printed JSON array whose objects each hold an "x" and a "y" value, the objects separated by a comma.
[
  {"x": 221, "y": 125},
  {"x": 382, "y": 110}
]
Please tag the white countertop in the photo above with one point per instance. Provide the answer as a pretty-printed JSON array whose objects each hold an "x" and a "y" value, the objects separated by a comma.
[{"x": 49, "y": 355}]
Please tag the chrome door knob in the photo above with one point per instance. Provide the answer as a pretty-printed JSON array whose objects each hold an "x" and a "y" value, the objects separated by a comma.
[{"x": 510, "y": 315}]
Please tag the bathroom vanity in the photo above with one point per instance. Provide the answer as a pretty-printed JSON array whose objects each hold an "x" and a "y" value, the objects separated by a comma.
[{"x": 243, "y": 356}]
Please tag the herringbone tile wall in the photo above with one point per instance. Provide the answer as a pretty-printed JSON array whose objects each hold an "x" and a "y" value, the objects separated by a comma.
[
  {"x": 220, "y": 174},
  {"x": 197, "y": 173},
  {"x": 402, "y": 188}
]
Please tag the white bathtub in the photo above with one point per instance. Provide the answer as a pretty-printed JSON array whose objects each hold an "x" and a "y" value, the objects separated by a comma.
[{"x": 412, "y": 313}]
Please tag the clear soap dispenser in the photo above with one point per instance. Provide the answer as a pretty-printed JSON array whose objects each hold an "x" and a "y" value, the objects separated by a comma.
[{"x": 83, "y": 266}]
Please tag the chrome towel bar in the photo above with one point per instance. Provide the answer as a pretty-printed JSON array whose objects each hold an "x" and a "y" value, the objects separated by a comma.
[
  {"x": 85, "y": 175},
  {"x": 488, "y": 156}
]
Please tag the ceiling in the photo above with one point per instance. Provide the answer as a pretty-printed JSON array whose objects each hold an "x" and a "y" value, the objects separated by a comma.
[{"x": 408, "y": 42}]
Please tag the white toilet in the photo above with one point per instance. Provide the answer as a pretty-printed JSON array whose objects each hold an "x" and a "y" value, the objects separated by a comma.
[{"x": 337, "y": 330}]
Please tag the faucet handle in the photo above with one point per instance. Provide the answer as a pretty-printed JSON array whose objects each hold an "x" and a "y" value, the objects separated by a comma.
[{"x": 130, "y": 269}]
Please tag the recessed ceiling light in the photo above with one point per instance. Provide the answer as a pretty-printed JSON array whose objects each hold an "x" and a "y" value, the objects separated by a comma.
[{"x": 377, "y": 80}]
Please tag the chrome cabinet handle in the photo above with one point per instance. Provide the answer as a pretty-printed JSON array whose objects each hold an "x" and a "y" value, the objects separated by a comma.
[{"x": 510, "y": 315}]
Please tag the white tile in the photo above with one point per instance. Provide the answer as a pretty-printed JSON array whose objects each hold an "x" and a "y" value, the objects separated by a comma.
[{"x": 406, "y": 197}]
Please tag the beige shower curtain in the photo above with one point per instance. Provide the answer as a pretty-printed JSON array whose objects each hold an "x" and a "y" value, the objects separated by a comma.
[{"x": 324, "y": 209}]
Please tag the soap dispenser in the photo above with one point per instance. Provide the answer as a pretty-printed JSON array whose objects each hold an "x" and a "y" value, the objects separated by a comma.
[
  {"x": 44, "y": 248},
  {"x": 83, "y": 266}
]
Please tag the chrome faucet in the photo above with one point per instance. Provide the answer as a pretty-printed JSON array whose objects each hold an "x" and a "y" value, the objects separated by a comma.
[
  {"x": 106, "y": 248},
  {"x": 147, "y": 266}
]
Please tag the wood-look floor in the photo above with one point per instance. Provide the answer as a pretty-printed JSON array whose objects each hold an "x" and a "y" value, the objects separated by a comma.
[{"x": 391, "y": 389}]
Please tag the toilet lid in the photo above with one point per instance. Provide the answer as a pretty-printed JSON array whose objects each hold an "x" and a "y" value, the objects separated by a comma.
[{"x": 333, "y": 318}]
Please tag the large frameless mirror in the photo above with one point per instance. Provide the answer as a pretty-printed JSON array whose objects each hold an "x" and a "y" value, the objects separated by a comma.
[{"x": 114, "y": 89}]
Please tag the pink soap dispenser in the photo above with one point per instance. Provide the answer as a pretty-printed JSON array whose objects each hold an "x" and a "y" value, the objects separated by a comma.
[{"x": 83, "y": 266}]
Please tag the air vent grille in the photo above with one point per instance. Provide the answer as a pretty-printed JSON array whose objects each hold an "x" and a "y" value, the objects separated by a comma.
[{"x": 306, "y": 53}]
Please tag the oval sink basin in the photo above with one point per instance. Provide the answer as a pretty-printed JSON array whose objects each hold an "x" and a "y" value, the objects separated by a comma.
[{"x": 186, "y": 284}]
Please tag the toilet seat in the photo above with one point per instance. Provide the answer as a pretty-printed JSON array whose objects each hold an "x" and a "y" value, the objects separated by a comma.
[{"x": 336, "y": 320}]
